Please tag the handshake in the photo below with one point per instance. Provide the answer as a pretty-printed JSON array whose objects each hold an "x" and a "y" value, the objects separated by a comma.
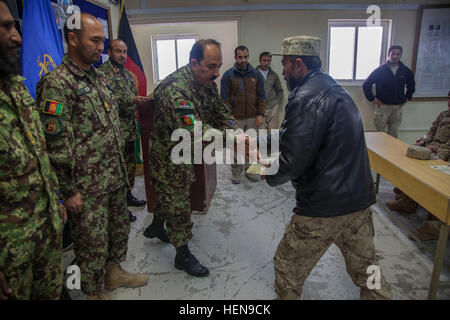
[{"x": 248, "y": 147}]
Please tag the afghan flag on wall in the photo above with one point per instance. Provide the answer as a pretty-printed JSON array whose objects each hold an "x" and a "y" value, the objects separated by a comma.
[{"x": 133, "y": 65}]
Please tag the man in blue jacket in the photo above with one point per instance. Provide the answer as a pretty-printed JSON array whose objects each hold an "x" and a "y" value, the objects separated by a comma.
[
  {"x": 323, "y": 153},
  {"x": 390, "y": 81}
]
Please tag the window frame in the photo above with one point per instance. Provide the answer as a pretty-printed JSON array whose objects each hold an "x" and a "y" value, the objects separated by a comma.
[
  {"x": 155, "y": 38},
  {"x": 385, "y": 41}
]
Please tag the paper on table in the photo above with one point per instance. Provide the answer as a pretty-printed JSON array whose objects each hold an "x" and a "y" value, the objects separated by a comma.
[{"x": 444, "y": 168}]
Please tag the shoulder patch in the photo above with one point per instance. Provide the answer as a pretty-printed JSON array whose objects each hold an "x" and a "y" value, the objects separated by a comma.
[
  {"x": 53, "y": 107},
  {"x": 184, "y": 104},
  {"x": 53, "y": 126},
  {"x": 188, "y": 120}
]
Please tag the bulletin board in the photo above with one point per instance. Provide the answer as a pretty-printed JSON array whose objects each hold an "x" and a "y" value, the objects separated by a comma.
[{"x": 431, "y": 58}]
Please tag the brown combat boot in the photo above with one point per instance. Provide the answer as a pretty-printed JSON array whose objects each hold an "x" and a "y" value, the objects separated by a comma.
[
  {"x": 428, "y": 231},
  {"x": 405, "y": 204},
  {"x": 116, "y": 277},
  {"x": 101, "y": 296},
  {"x": 398, "y": 193}
]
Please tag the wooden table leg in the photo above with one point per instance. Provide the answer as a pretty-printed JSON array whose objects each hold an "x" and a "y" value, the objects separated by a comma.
[
  {"x": 438, "y": 260},
  {"x": 377, "y": 183}
]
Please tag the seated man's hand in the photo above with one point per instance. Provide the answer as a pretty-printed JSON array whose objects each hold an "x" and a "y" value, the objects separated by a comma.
[
  {"x": 5, "y": 291},
  {"x": 420, "y": 143}
]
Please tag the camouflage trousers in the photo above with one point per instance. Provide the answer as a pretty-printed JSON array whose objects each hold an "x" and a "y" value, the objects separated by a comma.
[
  {"x": 174, "y": 207},
  {"x": 388, "y": 119},
  {"x": 100, "y": 236},
  {"x": 130, "y": 159},
  {"x": 305, "y": 241},
  {"x": 32, "y": 261}
]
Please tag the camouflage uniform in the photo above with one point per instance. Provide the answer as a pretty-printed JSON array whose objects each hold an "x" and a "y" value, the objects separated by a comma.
[
  {"x": 125, "y": 90},
  {"x": 307, "y": 238},
  {"x": 30, "y": 214},
  {"x": 179, "y": 104},
  {"x": 84, "y": 140},
  {"x": 439, "y": 135}
]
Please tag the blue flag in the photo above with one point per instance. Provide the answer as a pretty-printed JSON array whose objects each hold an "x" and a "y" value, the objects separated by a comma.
[{"x": 42, "y": 48}]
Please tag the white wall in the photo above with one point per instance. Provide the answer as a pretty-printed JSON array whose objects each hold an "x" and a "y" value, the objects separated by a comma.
[
  {"x": 223, "y": 31},
  {"x": 262, "y": 30}
]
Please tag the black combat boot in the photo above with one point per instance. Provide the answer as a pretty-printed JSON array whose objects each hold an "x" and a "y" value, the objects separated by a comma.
[
  {"x": 134, "y": 202},
  {"x": 185, "y": 260},
  {"x": 132, "y": 216},
  {"x": 156, "y": 229}
]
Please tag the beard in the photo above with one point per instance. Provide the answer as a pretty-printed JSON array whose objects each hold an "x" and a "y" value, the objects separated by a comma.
[
  {"x": 9, "y": 63},
  {"x": 293, "y": 82}
]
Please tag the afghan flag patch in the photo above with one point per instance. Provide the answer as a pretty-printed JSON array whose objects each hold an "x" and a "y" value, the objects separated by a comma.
[
  {"x": 53, "y": 107},
  {"x": 188, "y": 120},
  {"x": 185, "y": 104}
]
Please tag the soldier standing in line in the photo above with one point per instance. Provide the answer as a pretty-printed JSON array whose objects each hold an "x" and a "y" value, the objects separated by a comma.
[
  {"x": 127, "y": 98},
  {"x": 85, "y": 144},
  {"x": 187, "y": 96},
  {"x": 31, "y": 217}
]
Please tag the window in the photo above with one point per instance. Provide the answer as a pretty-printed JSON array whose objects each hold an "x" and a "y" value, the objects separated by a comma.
[
  {"x": 171, "y": 53},
  {"x": 354, "y": 49}
]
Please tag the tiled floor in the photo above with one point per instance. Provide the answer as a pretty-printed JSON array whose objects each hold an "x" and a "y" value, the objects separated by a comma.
[{"x": 238, "y": 237}]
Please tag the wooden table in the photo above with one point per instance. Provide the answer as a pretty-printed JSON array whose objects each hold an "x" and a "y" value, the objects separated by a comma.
[{"x": 428, "y": 187}]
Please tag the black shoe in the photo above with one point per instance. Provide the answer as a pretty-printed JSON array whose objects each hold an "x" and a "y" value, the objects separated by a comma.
[
  {"x": 156, "y": 229},
  {"x": 185, "y": 260},
  {"x": 132, "y": 216},
  {"x": 134, "y": 202}
]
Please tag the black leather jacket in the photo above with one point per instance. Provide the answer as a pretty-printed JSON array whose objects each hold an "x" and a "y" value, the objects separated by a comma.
[{"x": 323, "y": 150}]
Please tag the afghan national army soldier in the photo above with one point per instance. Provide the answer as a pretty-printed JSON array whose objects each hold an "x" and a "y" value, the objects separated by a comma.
[
  {"x": 184, "y": 98},
  {"x": 127, "y": 98},
  {"x": 84, "y": 140},
  {"x": 31, "y": 217}
]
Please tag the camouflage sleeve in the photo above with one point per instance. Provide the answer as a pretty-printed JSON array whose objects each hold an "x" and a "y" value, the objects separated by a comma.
[
  {"x": 220, "y": 116},
  {"x": 430, "y": 134},
  {"x": 55, "y": 115}
]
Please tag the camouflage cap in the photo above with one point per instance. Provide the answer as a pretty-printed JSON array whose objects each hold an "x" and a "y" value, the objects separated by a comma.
[{"x": 300, "y": 46}]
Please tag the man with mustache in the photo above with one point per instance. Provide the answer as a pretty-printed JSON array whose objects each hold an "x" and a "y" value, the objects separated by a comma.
[
  {"x": 184, "y": 97},
  {"x": 323, "y": 154},
  {"x": 31, "y": 217},
  {"x": 82, "y": 128},
  {"x": 127, "y": 98}
]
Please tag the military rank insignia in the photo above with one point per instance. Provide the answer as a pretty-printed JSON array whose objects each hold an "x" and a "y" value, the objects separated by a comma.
[
  {"x": 185, "y": 104},
  {"x": 188, "y": 120},
  {"x": 53, "y": 107},
  {"x": 52, "y": 126}
]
